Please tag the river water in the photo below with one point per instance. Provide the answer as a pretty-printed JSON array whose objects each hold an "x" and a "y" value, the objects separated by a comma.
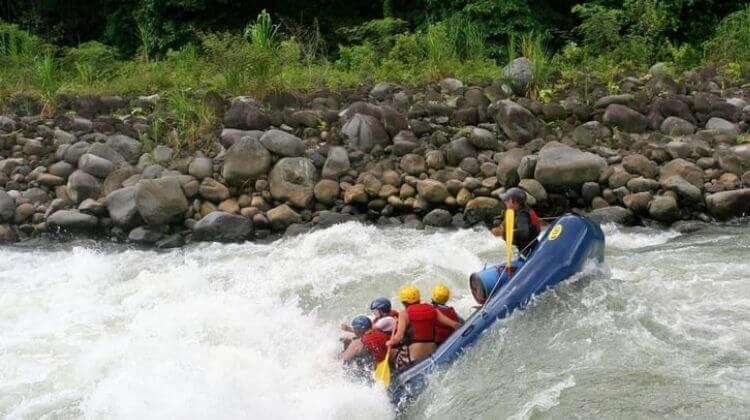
[{"x": 250, "y": 331}]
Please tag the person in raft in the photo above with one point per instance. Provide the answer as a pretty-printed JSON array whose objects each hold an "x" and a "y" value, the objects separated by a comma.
[
  {"x": 414, "y": 339},
  {"x": 368, "y": 347},
  {"x": 383, "y": 318},
  {"x": 527, "y": 224},
  {"x": 440, "y": 295}
]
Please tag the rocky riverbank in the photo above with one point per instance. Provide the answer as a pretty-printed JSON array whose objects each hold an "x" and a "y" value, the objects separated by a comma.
[{"x": 660, "y": 151}]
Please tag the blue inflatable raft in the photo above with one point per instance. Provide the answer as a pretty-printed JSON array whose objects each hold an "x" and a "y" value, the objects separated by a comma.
[{"x": 563, "y": 250}]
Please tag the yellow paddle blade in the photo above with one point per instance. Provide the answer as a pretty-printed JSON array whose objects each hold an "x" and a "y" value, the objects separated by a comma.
[
  {"x": 510, "y": 221},
  {"x": 383, "y": 372}
]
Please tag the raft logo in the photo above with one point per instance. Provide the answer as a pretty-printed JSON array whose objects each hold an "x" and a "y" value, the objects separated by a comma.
[{"x": 555, "y": 232}]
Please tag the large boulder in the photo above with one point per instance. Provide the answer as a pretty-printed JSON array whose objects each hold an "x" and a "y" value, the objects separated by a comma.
[
  {"x": 337, "y": 163},
  {"x": 160, "y": 201},
  {"x": 612, "y": 214},
  {"x": 684, "y": 189},
  {"x": 518, "y": 123},
  {"x": 245, "y": 160},
  {"x": 518, "y": 74},
  {"x": 723, "y": 126},
  {"x": 434, "y": 192},
  {"x": 483, "y": 139},
  {"x": 82, "y": 186},
  {"x": 365, "y": 132},
  {"x": 72, "y": 220},
  {"x": 482, "y": 209},
  {"x": 292, "y": 180},
  {"x": 245, "y": 114},
  {"x": 625, "y": 118},
  {"x": 283, "y": 143},
  {"x": 688, "y": 170},
  {"x": 122, "y": 208},
  {"x": 728, "y": 204},
  {"x": 676, "y": 126},
  {"x": 7, "y": 207},
  {"x": 219, "y": 226},
  {"x": 127, "y": 147},
  {"x": 562, "y": 167},
  {"x": 282, "y": 216}
]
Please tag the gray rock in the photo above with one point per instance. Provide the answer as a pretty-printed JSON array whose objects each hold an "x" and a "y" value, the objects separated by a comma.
[
  {"x": 106, "y": 152},
  {"x": 74, "y": 152},
  {"x": 565, "y": 167},
  {"x": 161, "y": 154},
  {"x": 72, "y": 220},
  {"x": 82, "y": 186},
  {"x": 683, "y": 188},
  {"x": 438, "y": 217},
  {"x": 534, "y": 188},
  {"x": 641, "y": 184},
  {"x": 229, "y": 136},
  {"x": 95, "y": 165},
  {"x": 152, "y": 171},
  {"x": 365, "y": 132},
  {"x": 7, "y": 235},
  {"x": 483, "y": 139},
  {"x": 245, "y": 114},
  {"x": 35, "y": 195},
  {"x": 122, "y": 207},
  {"x": 588, "y": 133},
  {"x": 688, "y": 170},
  {"x": 64, "y": 137},
  {"x": 292, "y": 180},
  {"x": 92, "y": 207},
  {"x": 145, "y": 235},
  {"x": 201, "y": 167},
  {"x": 723, "y": 126},
  {"x": 246, "y": 160},
  {"x": 337, "y": 163},
  {"x": 7, "y": 207},
  {"x": 507, "y": 166},
  {"x": 589, "y": 190},
  {"x": 527, "y": 166},
  {"x": 328, "y": 218},
  {"x": 283, "y": 143},
  {"x": 675, "y": 126},
  {"x": 160, "y": 201},
  {"x": 458, "y": 150},
  {"x": 61, "y": 169},
  {"x": 664, "y": 208},
  {"x": 728, "y": 204},
  {"x": 219, "y": 226},
  {"x": 625, "y": 119},
  {"x": 380, "y": 91},
  {"x": 519, "y": 74},
  {"x": 126, "y": 146},
  {"x": 518, "y": 123},
  {"x": 613, "y": 214},
  {"x": 212, "y": 190},
  {"x": 623, "y": 99},
  {"x": 450, "y": 85},
  {"x": 172, "y": 241}
]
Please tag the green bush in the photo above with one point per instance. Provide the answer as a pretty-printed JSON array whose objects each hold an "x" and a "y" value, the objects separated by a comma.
[{"x": 731, "y": 41}]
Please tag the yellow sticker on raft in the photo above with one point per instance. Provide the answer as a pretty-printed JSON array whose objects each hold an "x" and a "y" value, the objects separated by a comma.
[{"x": 555, "y": 232}]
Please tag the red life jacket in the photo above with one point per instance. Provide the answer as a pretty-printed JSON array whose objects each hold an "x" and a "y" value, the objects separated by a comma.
[
  {"x": 394, "y": 313},
  {"x": 535, "y": 220},
  {"x": 442, "y": 332},
  {"x": 374, "y": 341},
  {"x": 421, "y": 322}
]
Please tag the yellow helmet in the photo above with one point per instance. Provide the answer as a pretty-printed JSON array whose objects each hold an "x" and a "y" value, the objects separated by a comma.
[
  {"x": 408, "y": 294},
  {"x": 440, "y": 294}
]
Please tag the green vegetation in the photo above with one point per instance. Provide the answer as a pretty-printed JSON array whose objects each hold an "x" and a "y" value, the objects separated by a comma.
[{"x": 142, "y": 47}]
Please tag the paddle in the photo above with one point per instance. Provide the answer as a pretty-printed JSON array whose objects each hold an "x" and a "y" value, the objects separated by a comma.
[
  {"x": 510, "y": 221},
  {"x": 383, "y": 369}
]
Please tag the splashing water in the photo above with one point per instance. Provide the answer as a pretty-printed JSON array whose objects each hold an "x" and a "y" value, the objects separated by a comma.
[{"x": 238, "y": 331}]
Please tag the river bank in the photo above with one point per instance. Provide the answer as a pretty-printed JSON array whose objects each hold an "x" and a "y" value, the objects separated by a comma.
[{"x": 661, "y": 151}]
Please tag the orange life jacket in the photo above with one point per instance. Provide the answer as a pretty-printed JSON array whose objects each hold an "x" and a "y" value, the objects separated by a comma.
[{"x": 374, "y": 341}]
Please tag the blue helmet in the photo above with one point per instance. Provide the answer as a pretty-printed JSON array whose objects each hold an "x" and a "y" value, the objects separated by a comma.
[
  {"x": 361, "y": 323},
  {"x": 381, "y": 304}
]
